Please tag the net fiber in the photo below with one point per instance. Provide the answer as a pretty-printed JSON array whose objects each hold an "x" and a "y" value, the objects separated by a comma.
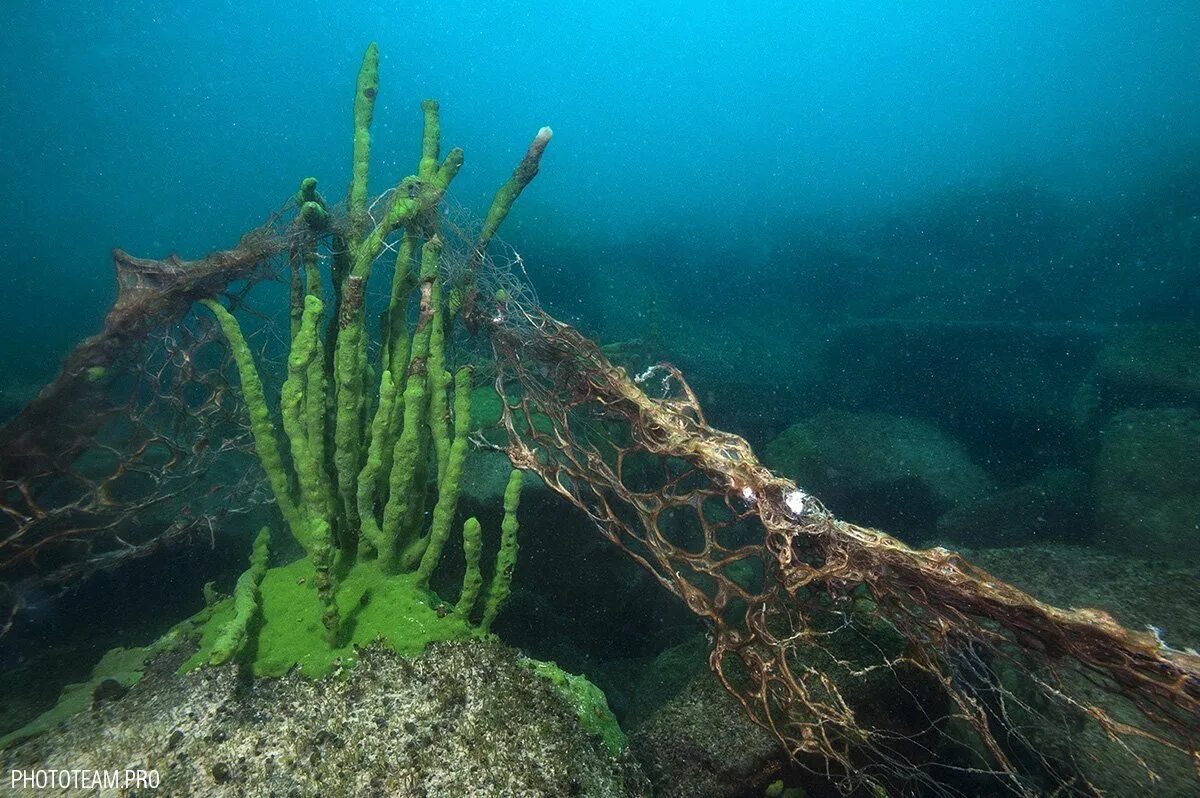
[
  {"x": 135, "y": 445},
  {"x": 814, "y": 622}
]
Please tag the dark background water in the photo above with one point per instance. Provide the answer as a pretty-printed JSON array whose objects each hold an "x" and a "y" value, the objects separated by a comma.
[{"x": 699, "y": 148}]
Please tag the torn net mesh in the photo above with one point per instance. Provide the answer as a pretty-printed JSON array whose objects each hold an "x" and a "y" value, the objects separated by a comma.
[
  {"x": 142, "y": 441},
  {"x": 172, "y": 459}
]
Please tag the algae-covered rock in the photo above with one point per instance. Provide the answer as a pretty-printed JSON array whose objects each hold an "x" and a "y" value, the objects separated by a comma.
[
  {"x": 1054, "y": 505},
  {"x": 111, "y": 678},
  {"x": 884, "y": 470},
  {"x": 461, "y": 719},
  {"x": 591, "y": 707},
  {"x": 1147, "y": 484},
  {"x": 1142, "y": 367}
]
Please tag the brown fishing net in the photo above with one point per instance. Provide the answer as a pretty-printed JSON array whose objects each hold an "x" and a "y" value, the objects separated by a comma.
[
  {"x": 139, "y": 443},
  {"x": 892, "y": 670}
]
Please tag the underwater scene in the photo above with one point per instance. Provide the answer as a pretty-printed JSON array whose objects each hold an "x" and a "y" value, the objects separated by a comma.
[{"x": 674, "y": 400}]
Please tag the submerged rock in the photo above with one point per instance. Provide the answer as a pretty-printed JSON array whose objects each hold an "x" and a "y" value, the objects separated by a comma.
[
  {"x": 1137, "y": 592},
  {"x": 665, "y": 676},
  {"x": 701, "y": 744},
  {"x": 888, "y": 471},
  {"x": 1147, "y": 484},
  {"x": 1140, "y": 594},
  {"x": 1002, "y": 388},
  {"x": 1053, "y": 506},
  {"x": 1142, "y": 367},
  {"x": 461, "y": 719}
]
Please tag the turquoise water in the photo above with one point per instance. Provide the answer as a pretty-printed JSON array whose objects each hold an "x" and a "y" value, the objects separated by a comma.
[{"x": 937, "y": 263}]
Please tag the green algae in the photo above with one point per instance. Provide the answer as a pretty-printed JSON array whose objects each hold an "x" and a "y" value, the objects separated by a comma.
[
  {"x": 777, "y": 789},
  {"x": 375, "y": 607},
  {"x": 125, "y": 666},
  {"x": 588, "y": 701},
  {"x": 391, "y": 610}
]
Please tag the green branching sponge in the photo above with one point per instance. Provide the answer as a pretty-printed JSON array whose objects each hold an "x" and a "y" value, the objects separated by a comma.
[
  {"x": 293, "y": 409},
  {"x": 348, "y": 384},
  {"x": 365, "y": 438},
  {"x": 245, "y": 603},
  {"x": 261, "y": 427},
  {"x": 472, "y": 579},
  {"x": 409, "y": 448},
  {"x": 305, "y": 520},
  {"x": 502, "y": 203},
  {"x": 364, "y": 112},
  {"x": 521, "y": 177},
  {"x": 368, "y": 479},
  {"x": 368, "y": 436},
  {"x": 439, "y": 382},
  {"x": 506, "y": 558},
  {"x": 394, "y": 324},
  {"x": 430, "y": 141},
  {"x": 451, "y": 484}
]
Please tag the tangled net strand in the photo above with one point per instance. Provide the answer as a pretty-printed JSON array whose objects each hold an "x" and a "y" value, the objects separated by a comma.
[
  {"x": 139, "y": 443},
  {"x": 808, "y": 614}
]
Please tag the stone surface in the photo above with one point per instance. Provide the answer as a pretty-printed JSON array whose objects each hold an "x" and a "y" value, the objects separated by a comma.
[
  {"x": 1147, "y": 484},
  {"x": 896, "y": 473},
  {"x": 1142, "y": 366},
  {"x": 462, "y": 719},
  {"x": 701, "y": 744},
  {"x": 1136, "y": 592},
  {"x": 1004, "y": 389},
  {"x": 1139, "y": 594},
  {"x": 1055, "y": 505},
  {"x": 664, "y": 676}
]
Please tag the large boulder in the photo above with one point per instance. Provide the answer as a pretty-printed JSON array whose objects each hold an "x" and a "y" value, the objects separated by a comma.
[
  {"x": 1137, "y": 592},
  {"x": 1140, "y": 594},
  {"x": 467, "y": 718},
  {"x": 1147, "y": 483},
  {"x": 1054, "y": 505},
  {"x": 873, "y": 468},
  {"x": 1142, "y": 367},
  {"x": 1001, "y": 388},
  {"x": 701, "y": 744},
  {"x": 662, "y": 678}
]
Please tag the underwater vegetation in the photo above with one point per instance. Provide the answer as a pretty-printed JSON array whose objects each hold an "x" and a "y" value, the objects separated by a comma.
[
  {"x": 875, "y": 667},
  {"x": 355, "y": 494}
]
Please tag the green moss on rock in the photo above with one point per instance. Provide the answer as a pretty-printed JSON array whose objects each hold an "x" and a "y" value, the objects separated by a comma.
[
  {"x": 117, "y": 671},
  {"x": 374, "y": 606},
  {"x": 588, "y": 700}
]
